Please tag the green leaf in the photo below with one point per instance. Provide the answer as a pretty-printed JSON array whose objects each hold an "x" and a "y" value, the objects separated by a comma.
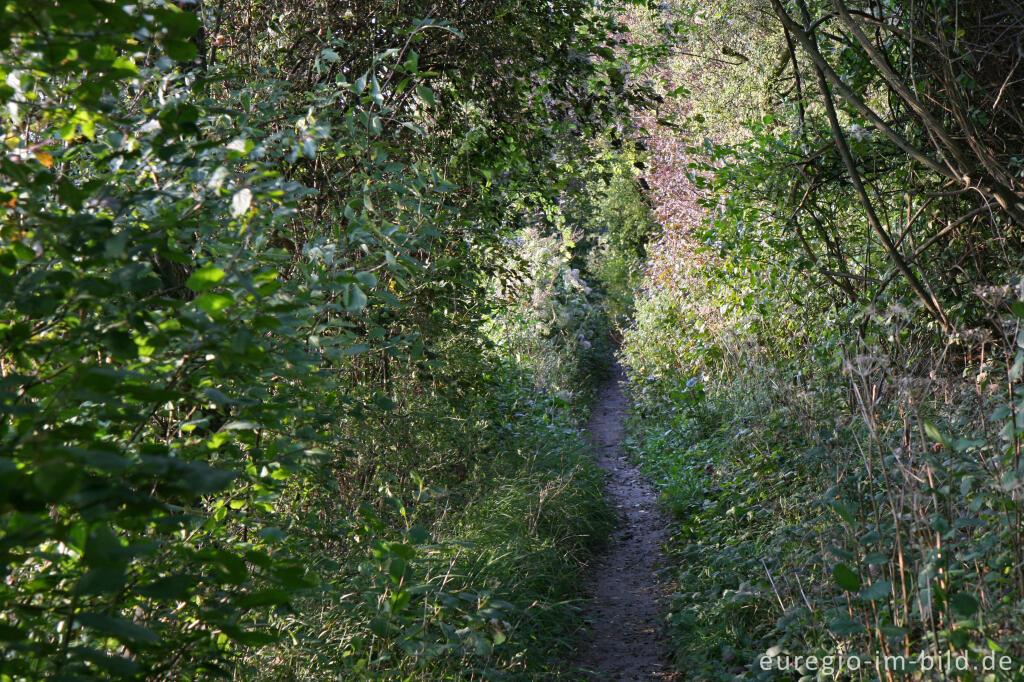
[
  {"x": 846, "y": 577},
  {"x": 418, "y": 535},
  {"x": 121, "y": 344},
  {"x": 355, "y": 299},
  {"x": 172, "y": 587},
  {"x": 427, "y": 95},
  {"x": 401, "y": 550},
  {"x": 880, "y": 589},
  {"x": 22, "y": 251},
  {"x": 375, "y": 92},
  {"x": 120, "y": 628},
  {"x": 205, "y": 278},
  {"x": 214, "y": 303},
  {"x": 360, "y": 84},
  {"x": 118, "y": 666},
  {"x": 180, "y": 50},
  {"x": 839, "y": 552},
  {"x": 114, "y": 247},
  {"x": 203, "y": 479},
  {"x": 233, "y": 570},
  {"x": 934, "y": 433},
  {"x": 354, "y": 349},
  {"x": 844, "y": 626},
  {"x": 847, "y": 511},
  {"x": 268, "y": 597},
  {"x": 250, "y": 637},
  {"x": 101, "y": 580},
  {"x": 367, "y": 279},
  {"x": 179, "y": 21},
  {"x": 964, "y": 604},
  {"x": 9, "y": 633},
  {"x": 960, "y": 638},
  {"x": 379, "y": 626},
  {"x": 890, "y": 630}
]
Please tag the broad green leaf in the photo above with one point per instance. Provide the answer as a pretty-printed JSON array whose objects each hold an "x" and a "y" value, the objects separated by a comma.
[
  {"x": 10, "y": 633},
  {"x": 880, "y": 589},
  {"x": 268, "y": 597},
  {"x": 101, "y": 580},
  {"x": 964, "y": 604},
  {"x": 844, "y": 626},
  {"x": 375, "y": 92},
  {"x": 214, "y": 303},
  {"x": 170, "y": 587},
  {"x": 846, "y": 577},
  {"x": 426, "y": 94},
  {"x": 253, "y": 638},
  {"x": 379, "y": 627},
  {"x": 355, "y": 299},
  {"x": 180, "y": 50},
  {"x": 892, "y": 631},
  {"x": 934, "y": 433},
  {"x": 367, "y": 279},
  {"x": 205, "y": 278}
]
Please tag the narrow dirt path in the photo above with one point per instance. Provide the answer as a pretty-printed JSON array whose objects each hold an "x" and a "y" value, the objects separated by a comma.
[{"x": 626, "y": 632}]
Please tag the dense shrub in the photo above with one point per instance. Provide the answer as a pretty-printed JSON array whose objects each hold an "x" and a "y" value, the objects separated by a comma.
[
  {"x": 245, "y": 253},
  {"x": 827, "y": 379}
]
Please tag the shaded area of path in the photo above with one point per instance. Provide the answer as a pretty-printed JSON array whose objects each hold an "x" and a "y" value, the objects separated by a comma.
[{"x": 627, "y": 596}]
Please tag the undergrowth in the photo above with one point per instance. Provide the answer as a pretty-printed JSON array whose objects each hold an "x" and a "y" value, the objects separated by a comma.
[
  {"x": 832, "y": 500},
  {"x": 474, "y": 580},
  {"x": 827, "y": 359}
]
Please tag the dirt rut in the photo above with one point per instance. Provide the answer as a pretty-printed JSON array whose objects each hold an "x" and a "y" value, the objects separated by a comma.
[{"x": 627, "y": 596}]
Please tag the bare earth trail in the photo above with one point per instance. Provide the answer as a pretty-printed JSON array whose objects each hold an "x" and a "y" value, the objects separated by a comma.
[{"x": 627, "y": 595}]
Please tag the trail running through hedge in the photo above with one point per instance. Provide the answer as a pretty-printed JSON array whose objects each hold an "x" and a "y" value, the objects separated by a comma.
[{"x": 625, "y": 612}]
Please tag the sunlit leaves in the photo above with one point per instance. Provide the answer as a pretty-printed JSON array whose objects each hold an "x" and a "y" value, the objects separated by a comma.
[
  {"x": 205, "y": 278},
  {"x": 214, "y": 303},
  {"x": 240, "y": 202},
  {"x": 205, "y": 286}
]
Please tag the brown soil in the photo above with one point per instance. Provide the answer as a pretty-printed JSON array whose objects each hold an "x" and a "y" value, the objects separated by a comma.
[{"x": 626, "y": 607}]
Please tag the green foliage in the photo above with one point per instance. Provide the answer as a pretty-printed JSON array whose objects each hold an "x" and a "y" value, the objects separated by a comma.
[
  {"x": 623, "y": 212},
  {"x": 551, "y": 322},
  {"x": 618, "y": 232},
  {"x": 617, "y": 275},
  {"x": 736, "y": 54},
  {"x": 462, "y": 580},
  {"x": 826, "y": 383},
  {"x": 243, "y": 266}
]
